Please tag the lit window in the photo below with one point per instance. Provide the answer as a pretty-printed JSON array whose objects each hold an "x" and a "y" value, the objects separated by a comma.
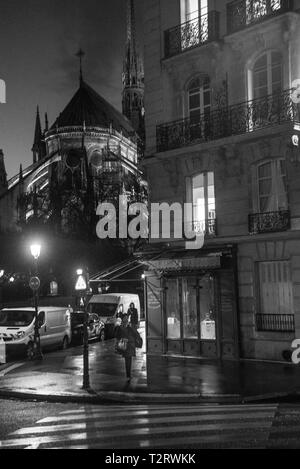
[
  {"x": 194, "y": 17},
  {"x": 272, "y": 186},
  {"x": 173, "y": 309},
  {"x": 201, "y": 193},
  {"x": 194, "y": 8}
]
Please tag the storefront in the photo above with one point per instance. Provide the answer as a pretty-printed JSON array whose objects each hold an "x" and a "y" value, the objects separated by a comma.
[{"x": 191, "y": 304}]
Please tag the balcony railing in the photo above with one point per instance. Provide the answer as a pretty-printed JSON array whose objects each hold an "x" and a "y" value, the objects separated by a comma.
[
  {"x": 275, "y": 323},
  {"x": 194, "y": 33},
  {"x": 242, "y": 13},
  {"x": 269, "y": 222},
  {"x": 227, "y": 121},
  {"x": 208, "y": 227}
]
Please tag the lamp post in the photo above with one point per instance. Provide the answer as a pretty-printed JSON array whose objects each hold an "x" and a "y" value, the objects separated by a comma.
[
  {"x": 34, "y": 283},
  {"x": 2, "y": 272},
  {"x": 83, "y": 287}
]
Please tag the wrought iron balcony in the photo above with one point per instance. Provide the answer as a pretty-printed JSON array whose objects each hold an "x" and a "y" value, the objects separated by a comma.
[
  {"x": 242, "y": 13},
  {"x": 269, "y": 222},
  {"x": 275, "y": 322},
  {"x": 227, "y": 121},
  {"x": 208, "y": 227},
  {"x": 192, "y": 34}
]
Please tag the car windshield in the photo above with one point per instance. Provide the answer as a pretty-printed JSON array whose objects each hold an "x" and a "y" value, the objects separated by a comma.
[
  {"x": 77, "y": 318},
  {"x": 103, "y": 309},
  {"x": 14, "y": 318}
]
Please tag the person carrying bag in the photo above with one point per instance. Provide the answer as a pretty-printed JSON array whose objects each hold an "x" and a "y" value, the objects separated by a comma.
[{"x": 127, "y": 340}]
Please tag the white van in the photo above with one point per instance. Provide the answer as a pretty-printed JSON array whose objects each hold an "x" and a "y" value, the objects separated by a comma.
[
  {"x": 110, "y": 306},
  {"x": 17, "y": 328}
]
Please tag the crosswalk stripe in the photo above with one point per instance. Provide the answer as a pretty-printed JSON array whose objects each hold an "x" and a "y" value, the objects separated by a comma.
[
  {"x": 170, "y": 408},
  {"x": 136, "y": 422},
  {"x": 150, "y": 414}
]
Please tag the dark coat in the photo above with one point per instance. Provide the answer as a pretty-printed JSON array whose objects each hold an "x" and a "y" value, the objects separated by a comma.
[
  {"x": 130, "y": 334},
  {"x": 134, "y": 317}
]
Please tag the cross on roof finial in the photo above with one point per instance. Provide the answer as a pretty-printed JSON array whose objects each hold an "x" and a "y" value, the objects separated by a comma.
[{"x": 80, "y": 54}]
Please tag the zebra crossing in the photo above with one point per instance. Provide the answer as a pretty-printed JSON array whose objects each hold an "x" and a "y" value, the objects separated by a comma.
[{"x": 152, "y": 426}]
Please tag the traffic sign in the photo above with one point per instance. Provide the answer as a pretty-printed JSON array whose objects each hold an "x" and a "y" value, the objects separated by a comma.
[
  {"x": 81, "y": 284},
  {"x": 34, "y": 283}
]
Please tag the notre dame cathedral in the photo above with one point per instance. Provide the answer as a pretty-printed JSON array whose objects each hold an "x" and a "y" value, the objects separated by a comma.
[{"x": 90, "y": 154}]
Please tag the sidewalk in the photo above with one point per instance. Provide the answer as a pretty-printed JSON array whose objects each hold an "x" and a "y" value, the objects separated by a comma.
[{"x": 155, "y": 379}]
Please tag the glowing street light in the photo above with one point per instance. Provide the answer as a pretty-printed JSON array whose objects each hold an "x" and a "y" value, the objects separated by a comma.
[{"x": 35, "y": 250}]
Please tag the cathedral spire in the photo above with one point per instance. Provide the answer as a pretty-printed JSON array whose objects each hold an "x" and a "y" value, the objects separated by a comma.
[
  {"x": 80, "y": 54},
  {"x": 131, "y": 32},
  {"x": 133, "y": 76},
  {"x": 3, "y": 175},
  {"x": 38, "y": 148},
  {"x": 46, "y": 122},
  {"x": 37, "y": 137}
]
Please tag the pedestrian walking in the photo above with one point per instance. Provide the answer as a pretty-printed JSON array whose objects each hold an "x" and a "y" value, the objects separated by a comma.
[
  {"x": 127, "y": 339},
  {"x": 133, "y": 315}
]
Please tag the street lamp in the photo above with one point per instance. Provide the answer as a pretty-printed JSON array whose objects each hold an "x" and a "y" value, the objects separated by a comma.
[
  {"x": 83, "y": 288},
  {"x": 2, "y": 272},
  {"x": 34, "y": 283},
  {"x": 35, "y": 250}
]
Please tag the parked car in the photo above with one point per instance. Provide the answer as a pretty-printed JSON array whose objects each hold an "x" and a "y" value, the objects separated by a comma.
[
  {"x": 17, "y": 329},
  {"x": 95, "y": 327}
]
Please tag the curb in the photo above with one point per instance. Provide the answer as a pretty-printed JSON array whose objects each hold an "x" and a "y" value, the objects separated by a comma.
[
  {"x": 124, "y": 398},
  {"x": 112, "y": 397}
]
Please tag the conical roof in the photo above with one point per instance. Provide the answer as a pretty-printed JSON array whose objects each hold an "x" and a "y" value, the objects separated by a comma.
[{"x": 88, "y": 107}]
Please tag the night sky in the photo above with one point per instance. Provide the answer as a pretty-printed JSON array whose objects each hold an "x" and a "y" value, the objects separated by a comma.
[{"x": 39, "y": 40}]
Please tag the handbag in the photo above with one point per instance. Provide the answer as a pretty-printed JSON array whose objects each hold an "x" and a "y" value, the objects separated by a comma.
[
  {"x": 138, "y": 341},
  {"x": 121, "y": 345}
]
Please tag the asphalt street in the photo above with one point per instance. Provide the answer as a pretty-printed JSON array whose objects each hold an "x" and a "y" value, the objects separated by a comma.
[{"x": 34, "y": 425}]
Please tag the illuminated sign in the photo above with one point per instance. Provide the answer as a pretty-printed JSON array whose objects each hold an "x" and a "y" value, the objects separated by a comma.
[{"x": 81, "y": 284}]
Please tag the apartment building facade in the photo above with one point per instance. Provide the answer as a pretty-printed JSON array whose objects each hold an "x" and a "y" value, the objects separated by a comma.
[{"x": 222, "y": 127}]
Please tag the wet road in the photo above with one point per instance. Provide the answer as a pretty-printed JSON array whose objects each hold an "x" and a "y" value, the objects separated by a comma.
[{"x": 41, "y": 425}]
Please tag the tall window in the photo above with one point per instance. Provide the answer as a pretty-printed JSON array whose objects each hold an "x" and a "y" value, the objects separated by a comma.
[
  {"x": 173, "y": 310},
  {"x": 194, "y": 8},
  {"x": 195, "y": 19},
  {"x": 267, "y": 75},
  {"x": 199, "y": 95},
  {"x": 275, "y": 288},
  {"x": 194, "y": 309},
  {"x": 272, "y": 186},
  {"x": 199, "y": 104},
  {"x": 201, "y": 193}
]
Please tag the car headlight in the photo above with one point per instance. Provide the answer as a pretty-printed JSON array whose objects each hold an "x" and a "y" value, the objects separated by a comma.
[{"x": 20, "y": 335}]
